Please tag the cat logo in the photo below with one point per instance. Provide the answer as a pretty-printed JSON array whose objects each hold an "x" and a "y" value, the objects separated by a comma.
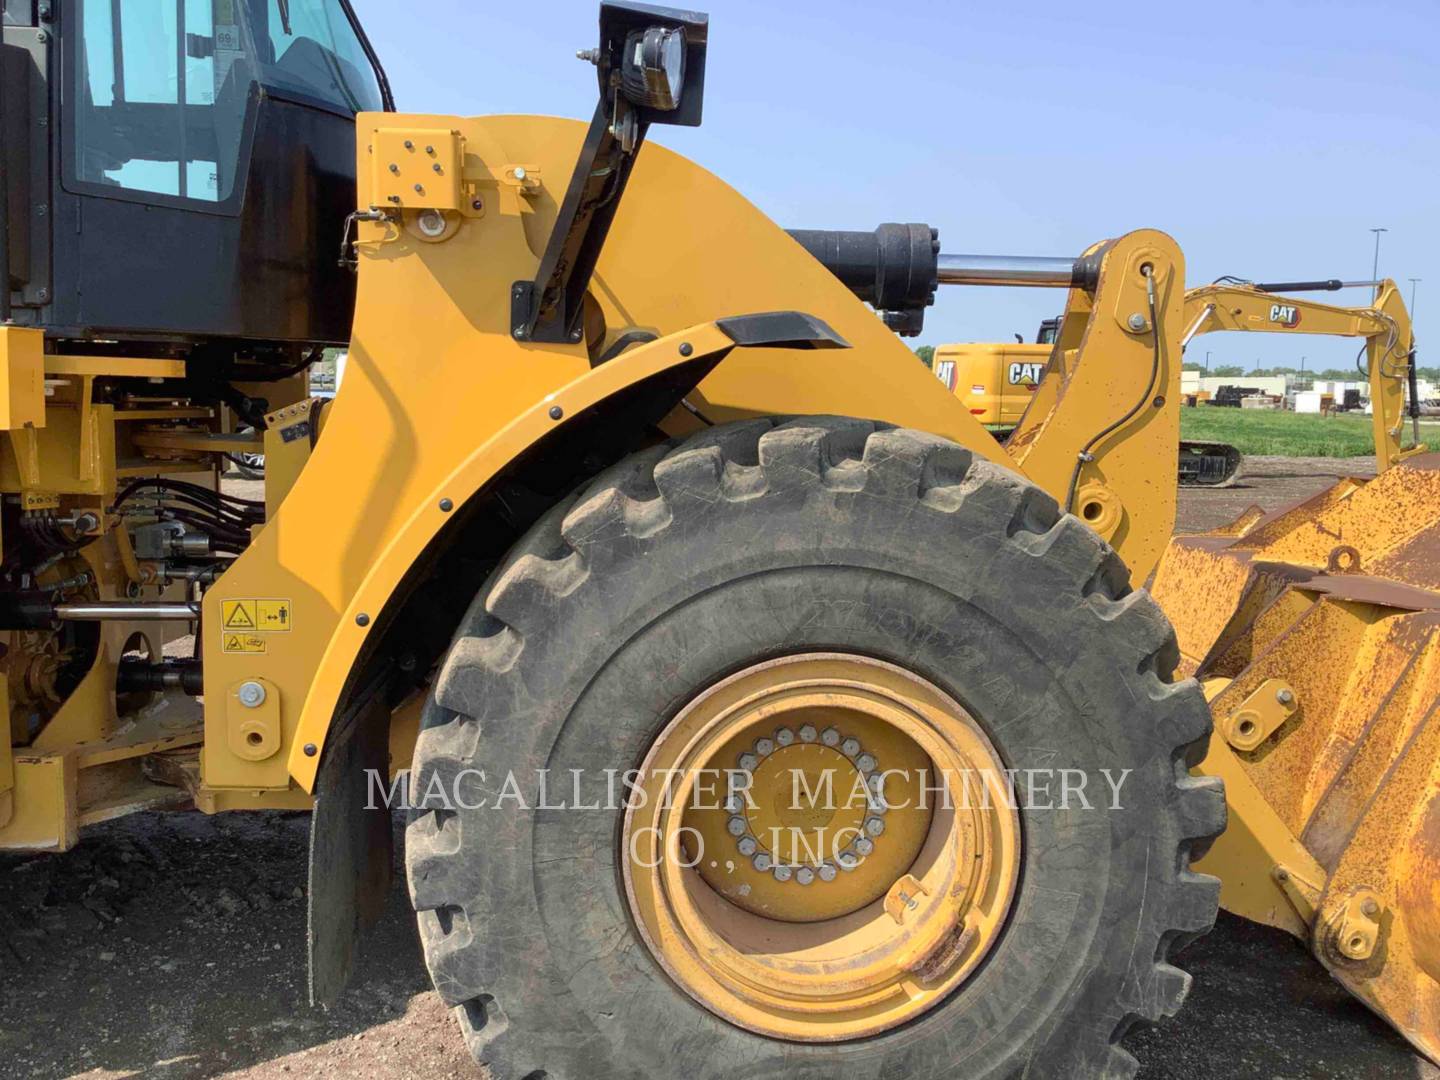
[
  {"x": 1025, "y": 374},
  {"x": 1287, "y": 315}
]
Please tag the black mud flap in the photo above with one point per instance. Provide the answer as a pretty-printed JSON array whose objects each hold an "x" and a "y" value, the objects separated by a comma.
[{"x": 351, "y": 845}]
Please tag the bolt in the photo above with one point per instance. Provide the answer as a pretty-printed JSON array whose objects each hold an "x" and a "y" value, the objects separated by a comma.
[
  {"x": 804, "y": 875},
  {"x": 419, "y": 189},
  {"x": 784, "y": 736},
  {"x": 589, "y": 55},
  {"x": 748, "y": 846},
  {"x": 736, "y": 826},
  {"x": 311, "y": 749},
  {"x": 865, "y": 762},
  {"x": 1370, "y": 907},
  {"x": 847, "y": 860},
  {"x": 874, "y": 826},
  {"x": 1285, "y": 697},
  {"x": 830, "y": 737},
  {"x": 362, "y": 619},
  {"x": 556, "y": 412},
  {"x": 764, "y": 747},
  {"x": 519, "y": 172},
  {"x": 734, "y": 804},
  {"x": 782, "y": 872},
  {"x": 748, "y": 762},
  {"x": 807, "y": 733},
  {"x": 864, "y": 845},
  {"x": 686, "y": 348},
  {"x": 42, "y": 37},
  {"x": 1136, "y": 322},
  {"x": 850, "y": 747},
  {"x": 436, "y": 167},
  {"x": 430, "y": 150},
  {"x": 828, "y": 872},
  {"x": 394, "y": 168},
  {"x": 477, "y": 204},
  {"x": 446, "y": 506},
  {"x": 409, "y": 145},
  {"x": 251, "y": 694},
  {"x": 761, "y": 862}
]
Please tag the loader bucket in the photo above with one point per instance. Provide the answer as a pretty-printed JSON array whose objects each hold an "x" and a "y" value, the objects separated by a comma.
[{"x": 1316, "y": 633}]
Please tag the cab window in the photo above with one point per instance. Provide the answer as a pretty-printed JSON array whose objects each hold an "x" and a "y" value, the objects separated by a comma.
[{"x": 164, "y": 86}]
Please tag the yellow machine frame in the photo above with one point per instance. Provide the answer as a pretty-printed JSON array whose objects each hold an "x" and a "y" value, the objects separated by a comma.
[{"x": 442, "y": 401}]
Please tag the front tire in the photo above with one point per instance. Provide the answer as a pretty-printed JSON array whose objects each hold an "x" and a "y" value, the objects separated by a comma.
[{"x": 750, "y": 543}]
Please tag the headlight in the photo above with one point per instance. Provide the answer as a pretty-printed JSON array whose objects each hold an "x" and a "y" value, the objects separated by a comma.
[{"x": 653, "y": 68}]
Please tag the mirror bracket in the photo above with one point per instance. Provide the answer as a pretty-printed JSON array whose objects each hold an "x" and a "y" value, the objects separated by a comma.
[{"x": 549, "y": 309}]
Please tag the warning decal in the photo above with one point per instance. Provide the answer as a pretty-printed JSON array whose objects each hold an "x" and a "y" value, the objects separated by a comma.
[
  {"x": 243, "y": 643},
  {"x": 263, "y": 616}
]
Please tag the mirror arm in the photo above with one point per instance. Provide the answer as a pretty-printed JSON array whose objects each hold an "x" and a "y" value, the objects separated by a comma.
[{"x": 550, "y": 308}]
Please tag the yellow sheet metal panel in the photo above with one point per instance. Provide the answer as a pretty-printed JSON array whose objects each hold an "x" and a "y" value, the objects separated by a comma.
[
  {"x": 415, "y": 166},
  {"x": 431, "y": 407},
  {"x": 22, "y": 377}
]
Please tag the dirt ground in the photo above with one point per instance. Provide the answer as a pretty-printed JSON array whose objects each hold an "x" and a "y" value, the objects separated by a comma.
[{"x": 172, "y": 945}]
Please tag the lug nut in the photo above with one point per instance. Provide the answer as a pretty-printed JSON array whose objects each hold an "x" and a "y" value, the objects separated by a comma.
[
  {"x": 805, "y": 875},
  {"x": 830, "y": 737},
  {"x": 784, "y": 737},
  {"x": 828, "y": 872},
  {"x": 748, "y": 846},
  {"x": 782, "y": 872},
  {"x": 848, "y": 860},
  {"x": 764, "y": 747},
  {"x": 748, "y": 761},
  {"x": 761, "y": 862},
  {"x": 737, "y": 826},
  {"x": 874, "y": 826},
  {"x": 807, "y": 733},
  {"x": 865, "y": 762},
  {"x": 850, "y": 747}
]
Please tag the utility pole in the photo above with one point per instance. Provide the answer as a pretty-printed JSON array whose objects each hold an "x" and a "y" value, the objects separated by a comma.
[
  {"x": 1375, "y": 267},
  {"x": 1207, "y": 357},
  {"x": 1301, "y": 381},
  {"x": 1413, "y": 282}
]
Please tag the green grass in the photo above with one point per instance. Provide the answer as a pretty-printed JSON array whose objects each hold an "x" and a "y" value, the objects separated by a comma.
[{"x": 1286, "y": 434}]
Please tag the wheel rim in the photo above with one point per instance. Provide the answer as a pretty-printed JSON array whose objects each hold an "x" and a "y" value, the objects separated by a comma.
[{"x": 767, "y": 925}]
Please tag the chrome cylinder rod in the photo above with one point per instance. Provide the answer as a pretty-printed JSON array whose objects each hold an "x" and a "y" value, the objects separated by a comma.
[
  {"x": 1006, "y": 270},
  {"x": 124, "y": 610}
]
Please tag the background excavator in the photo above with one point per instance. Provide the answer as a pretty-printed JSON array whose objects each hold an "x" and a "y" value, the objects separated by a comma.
[
  {"x": 996, "y": 381},
  {"x": 625, "y": 480}
]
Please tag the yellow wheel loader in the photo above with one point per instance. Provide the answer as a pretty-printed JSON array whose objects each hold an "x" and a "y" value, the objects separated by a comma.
[{"x": 761, "y": 714}]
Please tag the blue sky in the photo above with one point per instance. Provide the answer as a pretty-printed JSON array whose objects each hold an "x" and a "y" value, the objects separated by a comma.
[{"x": 1268, "y": 138}]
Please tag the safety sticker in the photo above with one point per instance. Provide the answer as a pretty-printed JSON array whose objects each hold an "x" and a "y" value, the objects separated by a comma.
[
  {"x": 243, "y": 643},
  {"x": 255, "y": 616}
]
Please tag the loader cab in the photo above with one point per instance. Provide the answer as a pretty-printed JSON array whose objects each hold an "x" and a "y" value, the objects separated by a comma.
[{"x": 178, "y": 172}]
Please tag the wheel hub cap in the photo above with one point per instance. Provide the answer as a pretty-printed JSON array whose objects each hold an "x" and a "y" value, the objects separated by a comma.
[{"x": 821, "y": 847}]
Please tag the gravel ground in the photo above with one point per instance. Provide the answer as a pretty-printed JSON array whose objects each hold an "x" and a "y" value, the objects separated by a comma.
[{"x": 172, "y": 945}]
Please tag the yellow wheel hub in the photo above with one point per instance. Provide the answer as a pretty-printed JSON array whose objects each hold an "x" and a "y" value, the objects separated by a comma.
[{"x": 821, "y": 847}]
